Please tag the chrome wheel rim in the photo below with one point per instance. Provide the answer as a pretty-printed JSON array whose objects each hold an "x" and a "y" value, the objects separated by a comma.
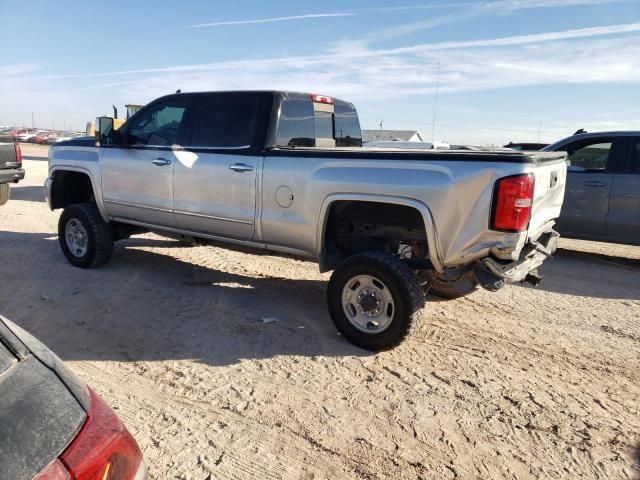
[
  {"x": 368, "y": 304},
  {"x": 76, "y": 238}
]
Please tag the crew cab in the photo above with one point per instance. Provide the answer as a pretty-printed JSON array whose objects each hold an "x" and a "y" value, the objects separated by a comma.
[
  {"x": 286, "y": 172},
  {"x": 11, "y": 170}
]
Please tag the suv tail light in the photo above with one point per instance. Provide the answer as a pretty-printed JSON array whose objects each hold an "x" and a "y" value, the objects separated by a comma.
[
  {"x": 512, "y": 201},
  {"x": 18, "y": 151},
  {"x": 102, "y": 450}
]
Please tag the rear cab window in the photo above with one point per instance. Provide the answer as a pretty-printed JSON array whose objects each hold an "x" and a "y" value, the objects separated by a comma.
[{"x": 305, "y": 123}]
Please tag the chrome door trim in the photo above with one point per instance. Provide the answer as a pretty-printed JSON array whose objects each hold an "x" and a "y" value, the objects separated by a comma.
[
  {"x": 135, "y": 205},
  {"x": 212, "y": 217}
]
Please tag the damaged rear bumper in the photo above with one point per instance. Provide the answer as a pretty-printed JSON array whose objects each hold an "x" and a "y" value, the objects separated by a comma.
[{"x": 525, "y": 268}]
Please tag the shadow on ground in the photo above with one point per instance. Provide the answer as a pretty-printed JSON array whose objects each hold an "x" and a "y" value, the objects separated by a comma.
[
  {"x": 152, "y": 306},
  {"x": 581, "y": 273},
  {"x": 636, "y": 462},
  {"x": 27, "y": 194}
]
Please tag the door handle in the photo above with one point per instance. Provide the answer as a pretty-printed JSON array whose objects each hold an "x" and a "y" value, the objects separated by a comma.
[
  {"x": 241, "y": 167},
  {"x": 161, "y": 162},
  {"x": 595, "y": 184}
]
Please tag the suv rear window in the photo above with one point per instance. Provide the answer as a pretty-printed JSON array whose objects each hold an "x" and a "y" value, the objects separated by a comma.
[{"x": 301, "y": 126}]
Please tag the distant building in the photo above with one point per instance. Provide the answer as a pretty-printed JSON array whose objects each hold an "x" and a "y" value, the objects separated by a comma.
[{"x": 390, "y": 135}]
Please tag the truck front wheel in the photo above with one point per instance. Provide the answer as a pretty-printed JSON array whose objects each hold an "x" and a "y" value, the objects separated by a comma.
[
  {"x": 85, "y": 238},
  {"x": 375, "y": 300},
  {"x": 4, "y": 193}
]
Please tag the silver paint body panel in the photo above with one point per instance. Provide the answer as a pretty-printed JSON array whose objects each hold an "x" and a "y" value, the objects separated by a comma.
[{"x": 198, "y": 194}]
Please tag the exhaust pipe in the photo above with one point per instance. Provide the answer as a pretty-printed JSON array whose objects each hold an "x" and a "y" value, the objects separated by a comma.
[
  {"x": 533, "y": 278},
  {"x": 486, "y": 279}
]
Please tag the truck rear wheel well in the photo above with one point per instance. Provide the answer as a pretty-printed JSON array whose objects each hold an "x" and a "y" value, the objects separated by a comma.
[
  {"x": 362, "y": 226},
  {"x": 71, "y": 187}
]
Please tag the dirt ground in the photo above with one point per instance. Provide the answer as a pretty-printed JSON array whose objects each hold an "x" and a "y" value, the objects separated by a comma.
[{"x": 524, "y": 383}]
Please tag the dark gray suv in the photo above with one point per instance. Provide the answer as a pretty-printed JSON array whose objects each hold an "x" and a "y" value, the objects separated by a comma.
[{"x": 602, "y": 199}]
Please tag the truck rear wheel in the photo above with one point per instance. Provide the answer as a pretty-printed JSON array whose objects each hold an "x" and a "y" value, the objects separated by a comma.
[
  {"x": 458, "y": 287},
  {"x": 374, "y": 300},
  {"x": 85, "y": 238},
  {"x": 4, "y": 193}
]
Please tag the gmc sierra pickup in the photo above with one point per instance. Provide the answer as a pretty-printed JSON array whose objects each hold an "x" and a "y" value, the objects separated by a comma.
[
  {"x": 287, "y": 172},
  {"x": 11, "y": 170}
]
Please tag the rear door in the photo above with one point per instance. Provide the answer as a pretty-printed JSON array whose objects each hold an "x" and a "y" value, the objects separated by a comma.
[
  {"x": 591, "y": 165},
  {"x": 623, "y": 221},
  {"x": 215, "y": 175},
  {"x": 137, "y": 172}
]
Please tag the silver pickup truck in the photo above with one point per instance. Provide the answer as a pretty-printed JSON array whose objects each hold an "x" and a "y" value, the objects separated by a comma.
[{"x": 287, "y": 172}]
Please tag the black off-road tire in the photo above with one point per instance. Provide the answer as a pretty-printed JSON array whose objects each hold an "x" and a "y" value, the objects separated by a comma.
[
  {"x": 4, "y": 193},
  {"x": 99, "y": 235},
  {"x": 401, "y": 283},
  {"x": 464, "y": 285}
]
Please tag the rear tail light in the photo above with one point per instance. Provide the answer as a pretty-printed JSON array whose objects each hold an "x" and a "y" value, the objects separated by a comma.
[
  {"x": 102, "y": 450},
  {"x": 321, "y": 99},
  {"x": 54, "y": 471},
  {"x": 18, "y": 151},
  {"x": 512, "y": 201}
]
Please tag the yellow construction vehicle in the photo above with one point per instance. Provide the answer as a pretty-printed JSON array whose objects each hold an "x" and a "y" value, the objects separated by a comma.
[{"x": 132, "y": 108}]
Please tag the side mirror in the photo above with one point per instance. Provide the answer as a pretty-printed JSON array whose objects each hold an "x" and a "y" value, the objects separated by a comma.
[{"x": 104, "y": 131}]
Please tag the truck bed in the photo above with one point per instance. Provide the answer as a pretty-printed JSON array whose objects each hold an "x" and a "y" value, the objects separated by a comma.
[{"x": 498, "y": 156}]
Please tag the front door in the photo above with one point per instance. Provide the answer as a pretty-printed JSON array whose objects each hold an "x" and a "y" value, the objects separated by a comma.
[
  {"x": 623, "y": 221},
  {"x": 215, "y": 175},
  {"x": 591, "y": 164},
  {"x": 137, "y": 171}
]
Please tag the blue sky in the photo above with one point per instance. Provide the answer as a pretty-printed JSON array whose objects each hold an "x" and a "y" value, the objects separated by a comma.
[{"x": 509, "y": 69}]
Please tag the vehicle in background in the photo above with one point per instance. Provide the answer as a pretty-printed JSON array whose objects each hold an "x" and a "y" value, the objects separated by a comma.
[
  {"x": 11, "y": 170},
  {"x": 602, "y": 199},
  {"x": 393, "y": 224},
  {"x": 401, "y": 144},
  {"x": 52, "y": 426},
  {"x": 25, "y": 136},
  {"x": 131, "y": 109},
  {"x": 41, "y": 137},
  {"x": 59, "y": 137},
  {"x": 526, "y": 146}
]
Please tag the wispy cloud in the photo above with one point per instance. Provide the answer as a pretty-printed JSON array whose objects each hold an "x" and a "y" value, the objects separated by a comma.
[
  {"x": 526, "y": 39},
  {"x": 466, "y": 11},
  {"x": 17, "y": 69},
  {"x": 272, "y": 19}
]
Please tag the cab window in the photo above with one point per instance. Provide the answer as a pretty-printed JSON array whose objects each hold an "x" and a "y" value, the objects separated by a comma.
[
  {"x": 347, "y": 127},
  {"x": 592, "y": 156},
  {"x": 225, "y": 122},
  {"x": 158, "y": 125},
  {"x": 296, "y": 127},
  {"x": 635, "y": 156}
]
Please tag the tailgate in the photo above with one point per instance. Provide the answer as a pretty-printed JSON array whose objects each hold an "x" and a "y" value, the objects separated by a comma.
[
  {"x": 548, "y": 195},
  {"x": 8, "y": 156}
]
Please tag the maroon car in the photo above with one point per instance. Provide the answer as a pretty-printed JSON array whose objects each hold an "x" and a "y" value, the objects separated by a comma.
[{"x": 52, "y": 426}]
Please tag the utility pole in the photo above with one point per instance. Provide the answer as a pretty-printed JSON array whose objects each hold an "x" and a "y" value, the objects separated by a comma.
[
  {"x": 33, "y": 123},
  {"x": 539, "y": 130},
  {"x": 435, "y": 104}
]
